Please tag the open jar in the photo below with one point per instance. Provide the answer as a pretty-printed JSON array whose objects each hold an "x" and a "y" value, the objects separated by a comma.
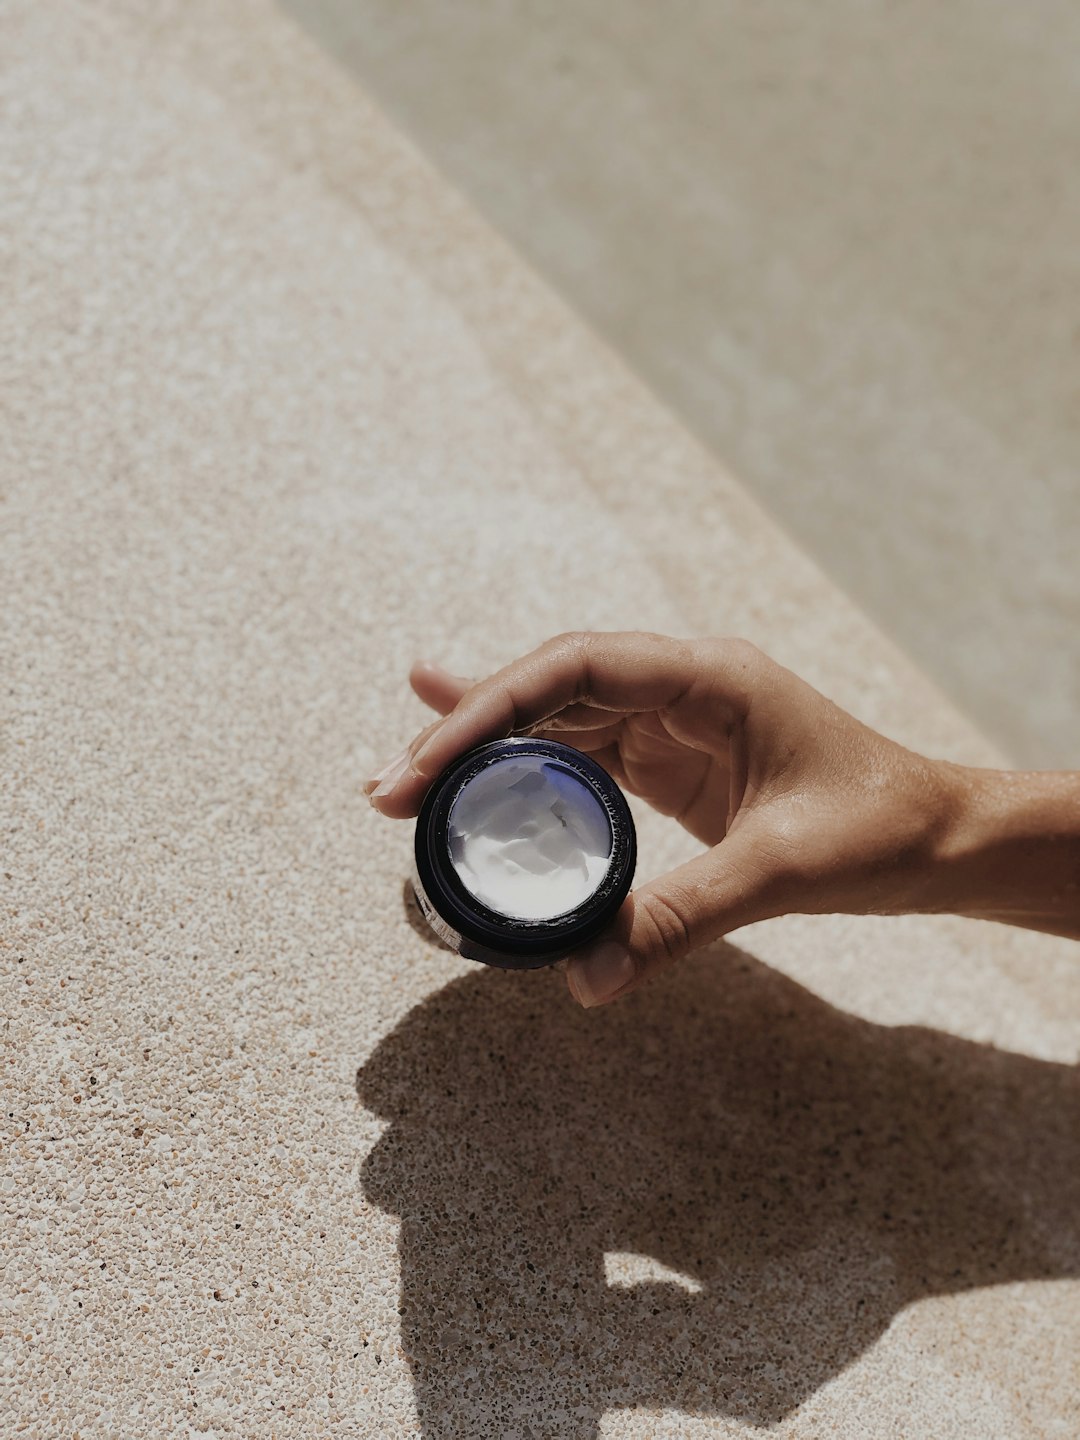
[{"x": 525, "y": 849}]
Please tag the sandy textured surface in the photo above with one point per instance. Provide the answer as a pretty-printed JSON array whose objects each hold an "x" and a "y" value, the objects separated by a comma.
[
  {"x": 842, "y": 240},
  {"x": 278, "y": 413}
]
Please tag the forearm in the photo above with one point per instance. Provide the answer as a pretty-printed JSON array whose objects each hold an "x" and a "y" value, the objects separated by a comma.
[{"x": 1013, "y": 851}]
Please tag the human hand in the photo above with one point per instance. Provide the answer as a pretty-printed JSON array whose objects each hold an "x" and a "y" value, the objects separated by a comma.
[{"x": 802, "y": 808}]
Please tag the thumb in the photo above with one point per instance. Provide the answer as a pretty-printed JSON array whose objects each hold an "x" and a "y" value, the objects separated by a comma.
[{"x": 736, "y": 882}]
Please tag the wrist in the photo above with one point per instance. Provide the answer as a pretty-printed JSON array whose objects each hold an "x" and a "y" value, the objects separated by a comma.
[{"x": 1011, "y": 849}]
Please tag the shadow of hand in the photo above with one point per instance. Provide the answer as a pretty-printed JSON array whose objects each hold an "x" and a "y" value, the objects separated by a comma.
[{"x": 809, "y": 1173}]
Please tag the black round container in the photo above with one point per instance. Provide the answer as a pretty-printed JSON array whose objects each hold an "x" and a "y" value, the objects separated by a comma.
[{"x": 472, "y": 927}]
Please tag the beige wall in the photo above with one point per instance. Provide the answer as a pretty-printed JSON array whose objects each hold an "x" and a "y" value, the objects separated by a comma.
[{"x": 843, "y": 243}]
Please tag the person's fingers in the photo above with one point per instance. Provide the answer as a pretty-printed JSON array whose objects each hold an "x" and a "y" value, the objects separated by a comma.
[
  {"x": 625, "y": 672},
  {"x": 741, "y": 880},
  {"x": 581, "y": 719},
  {"x": 442, "y": 690},
  {"x": 609, "y": 758},
  {"x": 379, "y": 787},
  {"x": 704, "y": 684},
  {"x": 437, "y": 687}
]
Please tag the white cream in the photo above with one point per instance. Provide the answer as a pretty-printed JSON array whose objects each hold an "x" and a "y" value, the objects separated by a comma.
[{"x": 529, "y": 839}]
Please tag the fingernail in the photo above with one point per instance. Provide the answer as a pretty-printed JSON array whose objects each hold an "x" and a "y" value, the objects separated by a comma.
[
  {"x": 384, "y": 780},
  {"x": 599, "y": 975},
  {"x": 369, "y": 785}
]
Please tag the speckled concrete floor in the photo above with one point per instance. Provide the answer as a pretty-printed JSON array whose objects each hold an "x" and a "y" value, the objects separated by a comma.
[{"x": 279, "y": 413}]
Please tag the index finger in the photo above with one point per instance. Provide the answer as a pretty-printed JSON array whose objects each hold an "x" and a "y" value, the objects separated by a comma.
[{"x": 618, "y": 671}]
